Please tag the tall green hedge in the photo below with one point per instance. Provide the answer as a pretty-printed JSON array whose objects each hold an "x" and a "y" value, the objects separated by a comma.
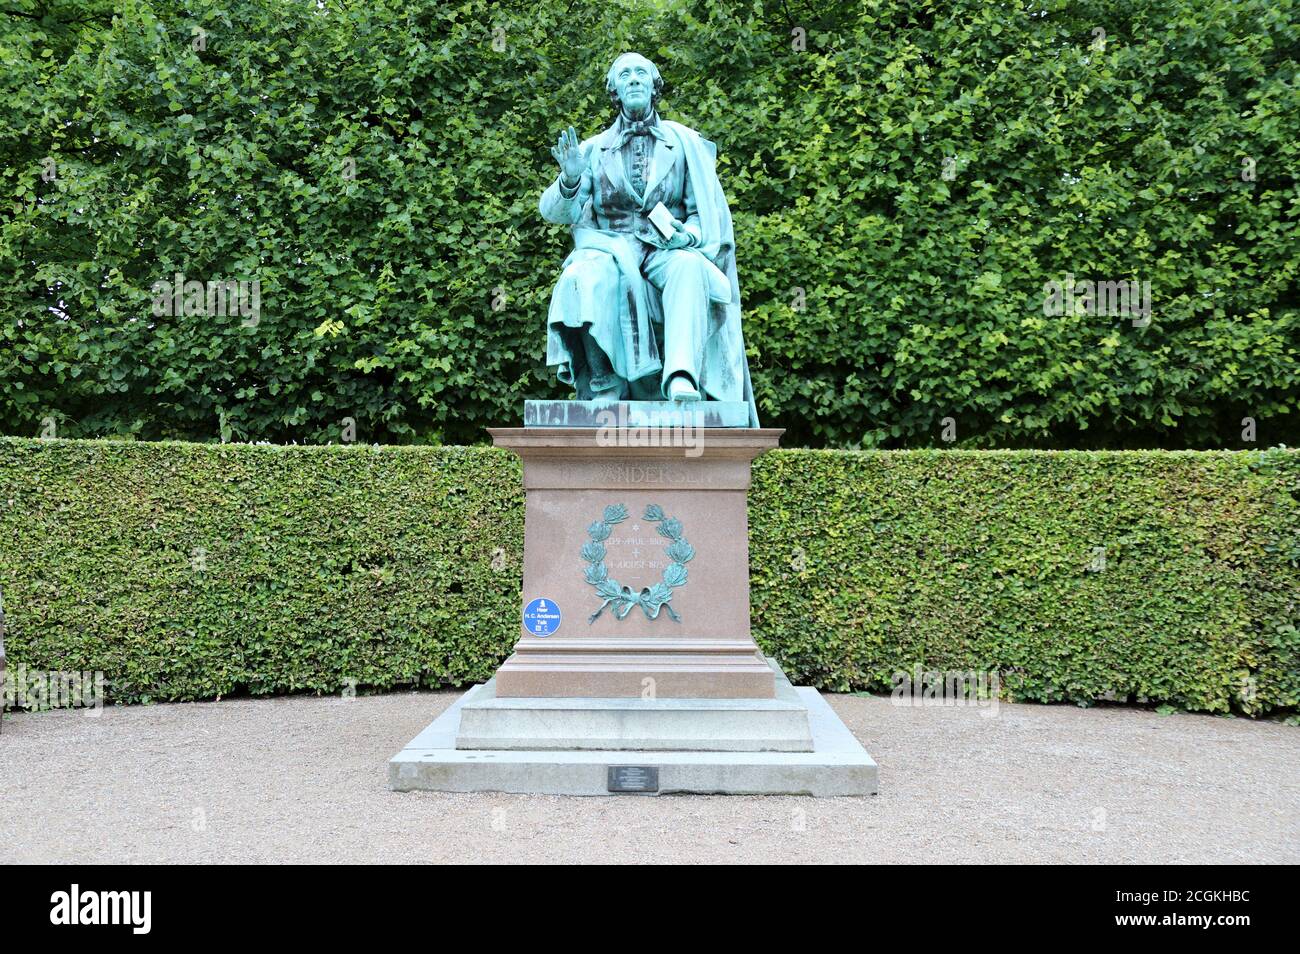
[
  {"x": 906, "y": 176},
  {"x": 188, "y": 571}
]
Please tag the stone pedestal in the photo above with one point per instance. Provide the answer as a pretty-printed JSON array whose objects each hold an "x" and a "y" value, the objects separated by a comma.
[
  {"x": 635, "y": 671},
  {"x": 604, "y": 506}
]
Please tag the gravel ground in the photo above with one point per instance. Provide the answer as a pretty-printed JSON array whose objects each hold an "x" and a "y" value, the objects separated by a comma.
[{"x": 303, "y": 780}]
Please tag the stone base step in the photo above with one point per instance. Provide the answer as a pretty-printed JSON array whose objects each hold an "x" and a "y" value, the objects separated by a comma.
[
  {"x": 837, "y": 765},
  {"x": 779, "y": 724}
]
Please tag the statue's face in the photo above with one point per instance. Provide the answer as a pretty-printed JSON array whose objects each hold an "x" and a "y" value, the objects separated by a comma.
[{"x": 634, "y": 82}]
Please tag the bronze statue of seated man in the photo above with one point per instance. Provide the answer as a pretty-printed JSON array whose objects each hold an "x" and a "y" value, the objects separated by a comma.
[{"x": 648, "y": 304}]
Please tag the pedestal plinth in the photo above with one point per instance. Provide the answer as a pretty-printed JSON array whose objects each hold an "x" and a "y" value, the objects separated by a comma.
[
  {"x": 636, "y": 564},
  {"x": 635, "y": 671}
]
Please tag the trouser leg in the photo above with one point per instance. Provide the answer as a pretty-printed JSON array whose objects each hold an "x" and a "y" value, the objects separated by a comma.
[
  {"x": 598, "y": 364},
  {"x": 682, "y": 278},
  {"x": 581, "y": 307}
]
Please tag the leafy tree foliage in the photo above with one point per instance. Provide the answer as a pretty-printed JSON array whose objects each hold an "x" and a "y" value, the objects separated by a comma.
[{"x": 906, "y": 177}]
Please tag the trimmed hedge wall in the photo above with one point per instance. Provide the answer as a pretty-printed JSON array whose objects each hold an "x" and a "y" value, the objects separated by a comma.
[
  {"x": 191, "y": 571},
  {"x": 1080, "y": 576}
]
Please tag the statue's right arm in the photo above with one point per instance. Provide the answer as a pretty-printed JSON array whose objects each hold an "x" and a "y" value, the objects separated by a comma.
[{"x": 562, "y": 205}]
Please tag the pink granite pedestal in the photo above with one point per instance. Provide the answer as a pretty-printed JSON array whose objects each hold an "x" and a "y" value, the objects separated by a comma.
[{"x": 570, "y": 476}]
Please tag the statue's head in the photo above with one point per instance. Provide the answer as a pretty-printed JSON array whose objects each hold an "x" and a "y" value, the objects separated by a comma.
[{"x": 634, "y": 84}]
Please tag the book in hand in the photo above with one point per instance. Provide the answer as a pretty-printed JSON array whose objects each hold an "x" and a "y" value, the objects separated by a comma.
[{"x": 662, "y": 220}]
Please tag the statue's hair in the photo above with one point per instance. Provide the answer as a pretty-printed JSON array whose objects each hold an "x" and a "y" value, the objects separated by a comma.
[{"x": 654, "y": 75}]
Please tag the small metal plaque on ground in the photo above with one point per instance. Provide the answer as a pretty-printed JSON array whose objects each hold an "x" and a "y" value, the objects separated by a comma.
[{"x": 633, "y": 778}]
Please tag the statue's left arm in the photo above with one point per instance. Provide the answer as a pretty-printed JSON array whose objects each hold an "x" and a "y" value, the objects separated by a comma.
[
  {"x": 688, "y": 233},
  {"x": 692, "y": 224}
]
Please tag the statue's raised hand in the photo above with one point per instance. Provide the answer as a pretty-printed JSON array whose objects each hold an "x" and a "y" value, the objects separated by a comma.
[{"x": 568, "y": 153}]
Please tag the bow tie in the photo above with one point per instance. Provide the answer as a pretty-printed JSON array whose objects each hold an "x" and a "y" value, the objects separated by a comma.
[{"x": 639, "y": 128}]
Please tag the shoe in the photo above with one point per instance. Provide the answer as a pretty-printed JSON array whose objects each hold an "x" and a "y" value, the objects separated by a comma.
[
  {"x": 605, "y": 386},
  {"x": 681, "y": 389}
]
